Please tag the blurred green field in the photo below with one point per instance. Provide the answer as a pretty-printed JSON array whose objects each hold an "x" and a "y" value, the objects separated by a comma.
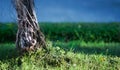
[{"x": 89, "y": 32}]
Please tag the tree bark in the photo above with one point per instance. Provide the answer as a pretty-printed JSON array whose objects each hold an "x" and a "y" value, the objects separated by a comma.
[{"x": 29, "y": 37}]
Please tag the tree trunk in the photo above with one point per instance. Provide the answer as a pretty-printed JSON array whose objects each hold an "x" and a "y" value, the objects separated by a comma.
[{"x": 29, "y": 37}]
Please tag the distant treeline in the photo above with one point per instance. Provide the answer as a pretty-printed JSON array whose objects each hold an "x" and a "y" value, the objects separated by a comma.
[{"x": 68, "y": 31}]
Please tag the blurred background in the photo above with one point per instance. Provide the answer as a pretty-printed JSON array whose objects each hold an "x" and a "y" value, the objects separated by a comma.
[
  {"x": 67, "y": 11},
  {"x": 68, "y": 20}
]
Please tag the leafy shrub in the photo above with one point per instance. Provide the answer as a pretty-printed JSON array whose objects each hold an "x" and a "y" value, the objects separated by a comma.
[
  {"x": 107, "y": 32},
  {"x": 82, "y": 31}
]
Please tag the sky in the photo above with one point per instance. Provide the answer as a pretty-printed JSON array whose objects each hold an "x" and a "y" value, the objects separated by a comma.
[{"x": 67, "y": 11}]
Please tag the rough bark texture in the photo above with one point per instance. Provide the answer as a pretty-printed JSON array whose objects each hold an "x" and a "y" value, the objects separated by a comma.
[{"x": 29, "y": 37}]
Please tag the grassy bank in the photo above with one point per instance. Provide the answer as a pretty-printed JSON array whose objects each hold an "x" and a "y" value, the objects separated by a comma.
[{"x": 88, "y": 56}]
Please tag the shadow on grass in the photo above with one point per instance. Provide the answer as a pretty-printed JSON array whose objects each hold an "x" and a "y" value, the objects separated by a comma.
[
  {"x": 111, "y": 50},
  {"x": 8, "y": 51}
]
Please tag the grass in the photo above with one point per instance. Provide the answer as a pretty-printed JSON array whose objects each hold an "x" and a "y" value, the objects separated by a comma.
[
  {"x": 82, "y": 56},
  {"x": 91, "y": 47}
]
